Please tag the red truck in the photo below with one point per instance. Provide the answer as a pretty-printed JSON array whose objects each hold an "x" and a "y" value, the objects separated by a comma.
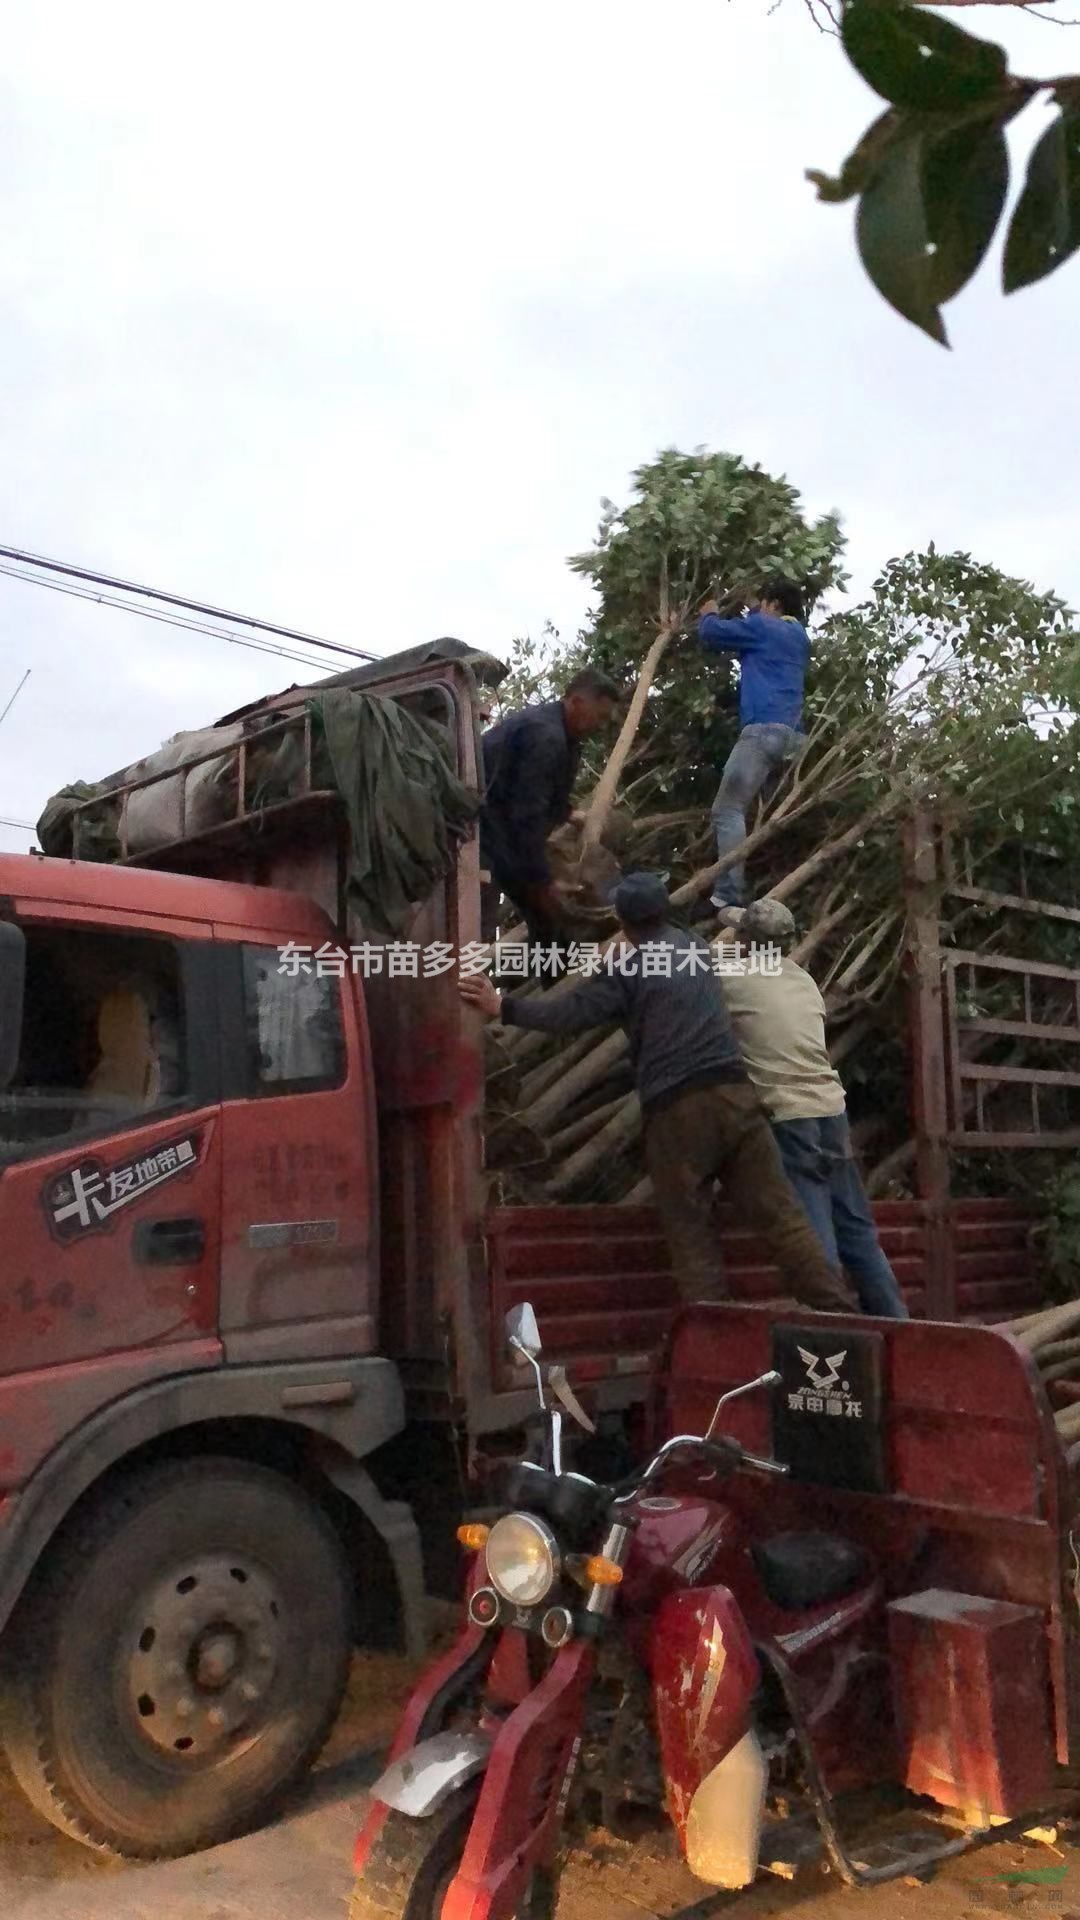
[{"x": 252, "y": 1293}]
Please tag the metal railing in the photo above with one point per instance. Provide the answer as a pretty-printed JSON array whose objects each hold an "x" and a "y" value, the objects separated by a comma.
[{"x": 234, "y": 758}]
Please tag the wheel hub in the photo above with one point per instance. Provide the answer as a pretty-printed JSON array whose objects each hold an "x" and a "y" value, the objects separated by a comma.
[
  {"x": 204, "y": 1652},
  {"x": 215, "y": 1659}
]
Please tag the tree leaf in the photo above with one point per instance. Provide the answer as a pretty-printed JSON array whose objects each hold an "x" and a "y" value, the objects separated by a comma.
[
  {"x": 1045, "y": 227},
  {"x": 965, "y": 177},
  {"x": 864, "y": 160},
  {"x": 1032, "y": 1877},
  {"x": 894, "y": 239},
  {"x": 915, "y": 59}
]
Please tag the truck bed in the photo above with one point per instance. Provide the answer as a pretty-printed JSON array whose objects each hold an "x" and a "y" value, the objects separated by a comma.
[{"x": 600, "y": 1277}]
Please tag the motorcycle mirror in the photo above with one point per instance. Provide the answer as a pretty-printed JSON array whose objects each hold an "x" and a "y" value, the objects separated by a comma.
[
  {"x": 771, "y": 1379},
  {"x": 524, "y": 1336},
  {"x": 523, "y": 1332}
]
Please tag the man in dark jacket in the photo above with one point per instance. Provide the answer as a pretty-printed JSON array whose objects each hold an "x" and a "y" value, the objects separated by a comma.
[
  {"x": 703, "y": 1120},
  {"x": 530, "y": 764},
  {"x": 773, "y": 649}
]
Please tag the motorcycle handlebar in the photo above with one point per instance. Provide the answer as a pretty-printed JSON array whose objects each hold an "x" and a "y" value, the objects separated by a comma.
[
  {"x": 724, "y": 1453},
  {"x": 764, "y": 1466}
]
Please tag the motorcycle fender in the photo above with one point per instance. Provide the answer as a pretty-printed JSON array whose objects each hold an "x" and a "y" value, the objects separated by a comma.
[
  {"x": 442, "y": 1682},
  {"x": 705, "y": 1674},
  {"x": 423, "y": 1778}
]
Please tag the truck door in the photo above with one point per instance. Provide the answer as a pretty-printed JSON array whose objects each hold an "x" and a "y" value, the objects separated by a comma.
[
  {"x": 299, "y": 1259},
  {"x": 110, "y": 1156}
]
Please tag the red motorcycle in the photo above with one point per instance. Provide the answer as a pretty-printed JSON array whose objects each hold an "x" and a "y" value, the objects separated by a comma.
[{"x": 674, "y": 1651}]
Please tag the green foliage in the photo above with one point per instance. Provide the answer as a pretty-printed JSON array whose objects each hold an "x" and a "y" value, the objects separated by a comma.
[
  {"x": 537, "y": 670},
  {"x": 1058, "y": 1232},
  {"x": 696, "y": 524},
  {"x": 951, "y": 684},
  {"x": 965, "y": 178},
  {"x": 1033, "y": 1877},
  {"x": 931, "y": 174},
  {"x": 1046, "y": 228},
  {"x": 707, "y": 523},
  {"x": 917, "y": 60},
  {"x": 978, "y": 663}
]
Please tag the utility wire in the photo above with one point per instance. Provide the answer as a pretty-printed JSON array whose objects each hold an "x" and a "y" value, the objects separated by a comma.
[
  {"x": 174, "y": 620},
  {"x": 176, "y": 600},
  {"x": 28, "y": 824},
  {"x": 14, "y": 697}
]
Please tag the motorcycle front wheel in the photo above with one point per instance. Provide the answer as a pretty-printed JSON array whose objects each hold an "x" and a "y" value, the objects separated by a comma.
[{"x": 409, "y": 1870}]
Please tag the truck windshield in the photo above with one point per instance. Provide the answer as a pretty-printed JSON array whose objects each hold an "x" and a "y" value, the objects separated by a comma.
[{"x": 102, "y": 1038}]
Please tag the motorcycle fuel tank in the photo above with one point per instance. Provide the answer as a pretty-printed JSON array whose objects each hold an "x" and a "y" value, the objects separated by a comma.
[{"x": 677, "y": 1543}]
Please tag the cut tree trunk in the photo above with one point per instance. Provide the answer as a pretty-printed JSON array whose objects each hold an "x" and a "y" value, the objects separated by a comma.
[
  {"x": 1058, "y": 1350},
  {"x": 534, "y": 1083},
  {"x": 610, "y": 1140},
  {"x": 607, "y": 786},
  {"x": 640, "y": 1195},
  {"x": 582, "y": 1128},
  {"x": 1049, "y": 1326},
  {"x": 586, "y": 1073}
]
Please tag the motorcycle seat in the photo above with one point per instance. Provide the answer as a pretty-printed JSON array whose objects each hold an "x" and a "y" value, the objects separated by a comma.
[{"x": 801, "y": 1570}]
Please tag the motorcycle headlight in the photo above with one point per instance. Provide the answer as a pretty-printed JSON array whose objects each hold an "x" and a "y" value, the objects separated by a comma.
[{"x": 523, "y": 1559}]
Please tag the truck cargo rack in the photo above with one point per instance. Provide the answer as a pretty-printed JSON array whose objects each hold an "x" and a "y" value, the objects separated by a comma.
[{"x": 244, "y": 817}]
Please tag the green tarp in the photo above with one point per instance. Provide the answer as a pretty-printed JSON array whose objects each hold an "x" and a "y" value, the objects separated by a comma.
[
  {"x": 98, "y": 833},
  {"x": 407, "y": 809}
]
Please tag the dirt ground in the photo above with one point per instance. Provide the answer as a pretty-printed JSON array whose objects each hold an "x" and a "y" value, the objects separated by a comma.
[{"x": 299, "y": 1869}]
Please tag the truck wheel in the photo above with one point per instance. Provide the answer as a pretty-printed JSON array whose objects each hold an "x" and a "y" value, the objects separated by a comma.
[
  {"x": 180, "y": 1659},
  {"x": 408, "y": 1872}
]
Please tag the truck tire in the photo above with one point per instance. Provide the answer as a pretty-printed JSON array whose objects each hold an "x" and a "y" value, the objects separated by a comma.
[
  {"x": 179, "y": 1660},
  {"x": 408, "y": 1872}
]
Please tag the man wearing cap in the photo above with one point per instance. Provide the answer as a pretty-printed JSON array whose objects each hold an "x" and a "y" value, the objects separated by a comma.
[
  {"x": 703, "y": 1120},
  {"x": 779, "y": 1023}
]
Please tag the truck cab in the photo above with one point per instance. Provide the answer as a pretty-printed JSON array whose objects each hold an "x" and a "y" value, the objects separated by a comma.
[
  {"x": 201, "y": 1211},
  {"x": 251, "y": 1283}
]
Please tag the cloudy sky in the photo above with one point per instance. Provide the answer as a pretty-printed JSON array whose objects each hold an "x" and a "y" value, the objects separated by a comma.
[{"x": 348, "y": 316}]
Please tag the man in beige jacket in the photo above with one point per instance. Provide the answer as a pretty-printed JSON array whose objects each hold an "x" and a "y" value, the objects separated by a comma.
[{"x": 778, "y": 1017}]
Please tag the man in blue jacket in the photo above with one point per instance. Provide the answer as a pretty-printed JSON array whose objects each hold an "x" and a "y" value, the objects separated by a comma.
[{"x": 773, "y": 649}]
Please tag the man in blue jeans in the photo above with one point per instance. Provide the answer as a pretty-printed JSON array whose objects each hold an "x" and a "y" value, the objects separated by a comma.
[
  {"x": 773, "y": 648},
  {"x": 778, "y": 1017}
]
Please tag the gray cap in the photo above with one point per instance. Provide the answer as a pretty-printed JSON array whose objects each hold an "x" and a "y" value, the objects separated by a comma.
[
  {"x": 765, "y": 920},
  {"x": 640, "y": 897}
]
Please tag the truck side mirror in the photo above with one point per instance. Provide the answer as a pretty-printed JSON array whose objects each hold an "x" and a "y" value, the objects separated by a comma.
[
  {"x": 12, "y": 984},
  {"x": 523, "y": 1332}
]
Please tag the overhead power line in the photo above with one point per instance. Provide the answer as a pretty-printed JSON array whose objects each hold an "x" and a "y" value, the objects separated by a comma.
[
  {"x": 27, "y": 824},
  {"x": 207, "y": 612},
  {"x": 14, "y": 697},
  {"x": 168, "y": 619}
]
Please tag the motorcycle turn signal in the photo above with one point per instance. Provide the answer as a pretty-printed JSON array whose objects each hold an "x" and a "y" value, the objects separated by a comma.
[
  {"x": 602, "y": 1573},
  {"x": 474, "y": 1537},
  {"x": 588, "y": 1570}
]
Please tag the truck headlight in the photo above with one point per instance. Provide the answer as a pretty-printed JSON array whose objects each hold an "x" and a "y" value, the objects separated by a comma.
[{"x": 523, "y": 1560}]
